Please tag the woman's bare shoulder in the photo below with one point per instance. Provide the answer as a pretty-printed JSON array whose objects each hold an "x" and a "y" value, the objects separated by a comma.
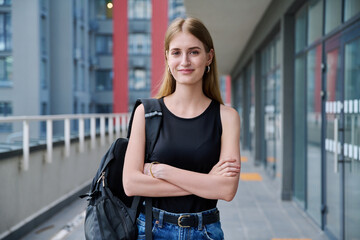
[{"x": 229, "y": 115}]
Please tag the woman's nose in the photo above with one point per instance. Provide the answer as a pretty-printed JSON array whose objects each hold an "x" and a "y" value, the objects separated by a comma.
[{"x": 185, "y": 60}]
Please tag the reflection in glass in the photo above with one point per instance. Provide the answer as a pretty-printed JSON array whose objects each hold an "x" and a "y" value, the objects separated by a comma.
[
  {"x": 315, "y": 20},
  {"x": 104, "y": 44},
  {"x": 332, "y": 178},
  {"x": 332, "y": 14},
  {"x": 352, "y": 7},
  {"x": 352, "y": 140},
  {"x": 299, "y": 131},
  {"x": 104, "y": 79},
  {"x": 314, "y": 133},
  {"x": 300, "y": 30},
  {"x": 272, "y": 115}
]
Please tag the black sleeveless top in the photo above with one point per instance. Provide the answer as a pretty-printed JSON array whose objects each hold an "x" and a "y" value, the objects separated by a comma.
[{"x": 191, "y": 144}]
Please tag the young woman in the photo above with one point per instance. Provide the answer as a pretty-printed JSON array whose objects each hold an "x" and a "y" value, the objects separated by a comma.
[{"x": 196, "y": 159}]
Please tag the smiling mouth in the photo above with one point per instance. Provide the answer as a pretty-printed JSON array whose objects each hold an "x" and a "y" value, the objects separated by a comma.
[{"x": 186, "y": 70}]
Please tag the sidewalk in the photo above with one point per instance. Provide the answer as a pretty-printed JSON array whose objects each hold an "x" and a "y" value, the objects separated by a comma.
[{"x": 256, "y": 213}]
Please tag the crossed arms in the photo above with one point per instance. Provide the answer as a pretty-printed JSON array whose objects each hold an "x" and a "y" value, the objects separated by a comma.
[{"x": 220, "y": 183}]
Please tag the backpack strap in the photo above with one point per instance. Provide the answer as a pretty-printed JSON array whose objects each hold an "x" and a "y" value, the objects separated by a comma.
[{"x": 153, "y": 120}]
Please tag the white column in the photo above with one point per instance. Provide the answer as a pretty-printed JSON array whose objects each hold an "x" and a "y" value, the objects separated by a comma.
[
  {"x": 117, "y": 126},
  {"x": 111, "y": 129},
  {"x": 81, "y": 134},
  {"x": 26, "y": 152},
  {"x": 102, "y": 130},
  {"x": 67, "y": 137},
  {"x": 49, "y": 140},
  {"x": 93, "y": 132}
]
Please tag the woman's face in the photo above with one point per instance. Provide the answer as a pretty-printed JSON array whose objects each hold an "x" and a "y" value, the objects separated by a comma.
[{"x": 187, "y": 58}]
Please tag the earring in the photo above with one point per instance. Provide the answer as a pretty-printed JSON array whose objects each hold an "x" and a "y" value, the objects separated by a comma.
[
  {"x": 208, "y": 69},
  {"x": 169, "y": 69}
]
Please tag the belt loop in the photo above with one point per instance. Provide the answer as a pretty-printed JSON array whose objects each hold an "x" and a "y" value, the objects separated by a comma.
[
  {"x": 200, "y": 221},
  {"x": 161, "y": 218}
]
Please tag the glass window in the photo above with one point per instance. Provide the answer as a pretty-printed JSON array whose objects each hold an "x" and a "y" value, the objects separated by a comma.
[
  {"x": 6, "y": 69},
  {"x": 139, "y": 9},
  {"x": 5, "y": 110},
  {"x": 5, "y": 2},
  {"x": 352, "y": 133},
  {"x": 315, "y": 20},
  {"x": 82, "y": 78},
  {"x": 104, "y": 44},
  {"x": 352, "y": 7},
  {"x": 104, "y": 108},
  {"x": 43, "y": 74},
  {"x": 300, "y": 30},
  {"x": 104, "y": 79},
  {"x": 299, "y": 131},
  {"x": 313, "y": 116},
  {"x": 103, "y": 9},
  {"x": 5, "y": 32},
  {"x": 43, "y": 35},
  {"x": 139, "y": 43},
  {"x": 332, "y": 14},
  {"x": 138, "y": 79}
]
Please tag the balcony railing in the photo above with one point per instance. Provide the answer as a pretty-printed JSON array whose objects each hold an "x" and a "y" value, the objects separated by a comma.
[{"x": 117, "y": 123}]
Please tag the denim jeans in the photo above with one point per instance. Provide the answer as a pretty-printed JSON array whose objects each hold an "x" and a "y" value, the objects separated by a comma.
[{"x": 168, "y": 231}]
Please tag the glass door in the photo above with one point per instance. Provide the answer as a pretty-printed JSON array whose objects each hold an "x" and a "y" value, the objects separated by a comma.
[
  {"x": 342, "y": 135},
  {"x": 333, "y": 108},
  {"x": 352, "y": 133}
]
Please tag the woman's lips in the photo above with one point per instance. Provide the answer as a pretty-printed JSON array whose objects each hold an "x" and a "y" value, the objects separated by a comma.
[{"x": 186, "y": 71}]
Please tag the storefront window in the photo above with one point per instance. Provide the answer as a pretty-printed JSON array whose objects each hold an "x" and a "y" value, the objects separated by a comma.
[
  {"x": 332, "y": 14},
  {"x": 300, "y": 30},
  {"x": 315, "y": 20},
  {"x": 299, "y": 131},
  {"x": 313, "y": 138},
  {"x": 352, "y": 7}
]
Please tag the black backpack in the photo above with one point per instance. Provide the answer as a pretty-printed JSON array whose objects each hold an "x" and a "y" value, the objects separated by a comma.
[{"x": 111, "y": 214}]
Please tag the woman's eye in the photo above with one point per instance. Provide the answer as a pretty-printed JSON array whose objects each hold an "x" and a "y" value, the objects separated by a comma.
[
  {"x": 175, "y": 53},
  {"x": 194, "y": 52}
]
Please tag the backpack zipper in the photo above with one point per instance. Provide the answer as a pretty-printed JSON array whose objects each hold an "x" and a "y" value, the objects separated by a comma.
[{"x": 102, "y": 177}]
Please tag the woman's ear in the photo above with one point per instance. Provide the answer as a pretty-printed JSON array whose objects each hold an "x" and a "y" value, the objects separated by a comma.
[{"x": 210, "y": 56}]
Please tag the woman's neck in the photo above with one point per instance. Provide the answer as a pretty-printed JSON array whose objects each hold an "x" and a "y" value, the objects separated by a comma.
[{"x": 187, "y": 101}]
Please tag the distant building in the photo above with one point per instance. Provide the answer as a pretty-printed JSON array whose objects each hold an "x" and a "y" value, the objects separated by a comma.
[{"x": 56, "y": 57}]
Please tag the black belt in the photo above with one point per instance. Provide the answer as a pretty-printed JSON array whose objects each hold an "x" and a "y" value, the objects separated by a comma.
[{"x": 186, "y": 220}]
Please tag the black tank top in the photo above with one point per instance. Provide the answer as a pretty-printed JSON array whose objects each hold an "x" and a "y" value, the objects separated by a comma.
[{"x": 191, "y": 144}]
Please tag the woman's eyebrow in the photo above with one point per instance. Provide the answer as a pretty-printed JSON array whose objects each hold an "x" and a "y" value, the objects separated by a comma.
[{"x": 191, "y": 48}]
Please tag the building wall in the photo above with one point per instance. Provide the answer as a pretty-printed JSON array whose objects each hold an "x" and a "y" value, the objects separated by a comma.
[
  {"x": 300, "y": 69},
  {"x": 61, "y": 57}
]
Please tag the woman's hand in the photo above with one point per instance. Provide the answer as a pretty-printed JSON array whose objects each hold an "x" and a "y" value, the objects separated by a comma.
[
  {"x": 154, "y": 170},
  {"x": 226, "y": 167}
]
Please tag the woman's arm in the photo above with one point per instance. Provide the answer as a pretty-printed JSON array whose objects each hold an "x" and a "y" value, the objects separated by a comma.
[
  {"x": 213, "y": 185},
  {"x": 135, "y": 182}
]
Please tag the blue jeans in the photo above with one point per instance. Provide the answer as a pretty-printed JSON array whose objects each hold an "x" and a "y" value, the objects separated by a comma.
[{"x": 168, "y": 231}]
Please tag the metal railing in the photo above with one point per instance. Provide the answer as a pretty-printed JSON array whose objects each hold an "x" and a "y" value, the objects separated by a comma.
[{"x": 120, "y": 125}]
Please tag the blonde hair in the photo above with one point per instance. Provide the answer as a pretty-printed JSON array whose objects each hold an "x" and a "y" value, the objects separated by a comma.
[{"x": 210, "y": 79}]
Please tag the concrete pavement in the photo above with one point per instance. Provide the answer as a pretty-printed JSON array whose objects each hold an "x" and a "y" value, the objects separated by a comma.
[{"x": 256, "y": 213}]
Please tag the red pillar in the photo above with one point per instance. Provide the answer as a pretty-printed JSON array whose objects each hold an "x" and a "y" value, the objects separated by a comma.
[
  {"x": 120, "y": 56},
  {"x": 158, "y": 28},
  {"x": 228, "y": 90}
]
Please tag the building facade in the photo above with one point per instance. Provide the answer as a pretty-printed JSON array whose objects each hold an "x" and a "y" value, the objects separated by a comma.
[
  {"x": 297, "y": 88},
  {"x": 57, "y": 57}
]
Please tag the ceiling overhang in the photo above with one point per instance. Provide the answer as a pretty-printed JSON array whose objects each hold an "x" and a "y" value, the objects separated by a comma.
[{"x": 230, "y": 23}]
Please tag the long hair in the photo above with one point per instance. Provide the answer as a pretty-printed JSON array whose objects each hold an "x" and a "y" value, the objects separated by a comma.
[{"x": 210, "y": 81}]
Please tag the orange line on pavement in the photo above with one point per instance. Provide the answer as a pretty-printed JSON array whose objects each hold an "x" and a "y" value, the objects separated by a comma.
[
  {"x": 244, "y": 159},
  {"x": 250, "y": 177}
]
